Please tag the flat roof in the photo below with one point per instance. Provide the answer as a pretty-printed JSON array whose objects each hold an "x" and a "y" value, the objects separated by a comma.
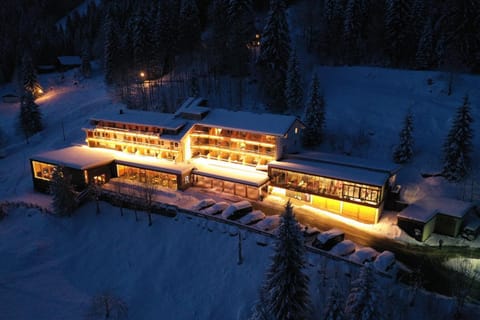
[
  {"x": 334, "y": 171},
  {"x": 151, "y": 163},
  {"x": 141, "y": 118},
  {"x": 229, "y": 172},
  {"x": 426, "y": 208},
  {"x": 370, "y": 164},
  {"x": 76, "y": 157},
  {"x": 263, "y": 123}
]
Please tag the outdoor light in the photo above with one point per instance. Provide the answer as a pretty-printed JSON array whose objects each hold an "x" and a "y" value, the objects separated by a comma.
[{"x": 142, "y": 74}]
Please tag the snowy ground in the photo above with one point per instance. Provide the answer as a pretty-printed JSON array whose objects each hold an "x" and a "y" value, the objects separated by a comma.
[{"x": 177, "y": 269}]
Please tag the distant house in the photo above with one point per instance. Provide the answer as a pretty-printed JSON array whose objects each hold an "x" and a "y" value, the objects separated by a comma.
[
  {"x": 64, "y": 63},
  {"x": 10, "y": 98}
]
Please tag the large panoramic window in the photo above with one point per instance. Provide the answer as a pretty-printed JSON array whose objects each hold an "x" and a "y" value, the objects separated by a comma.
[
  {"x": 160, "y": 179},
  {"x": 43, "y": 170},
  {"x": 322, "y": 186}
]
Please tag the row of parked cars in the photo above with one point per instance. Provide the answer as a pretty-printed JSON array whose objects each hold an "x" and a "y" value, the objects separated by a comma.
[
  {"x": 332, "y": 240},
  {"x": 241, "y": 211}
]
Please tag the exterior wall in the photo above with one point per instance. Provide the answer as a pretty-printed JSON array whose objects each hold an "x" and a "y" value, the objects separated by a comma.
[
  {"x": 154, "y": 177},
  {"x": 243, "y": 147},
  {"x": 42, "y": 183},
  {"x": 291, "y": 143},
  {"x": 448, "y": 225},
  {"x": 237, "y": 189},
  {"x": 421, "y": 231}
]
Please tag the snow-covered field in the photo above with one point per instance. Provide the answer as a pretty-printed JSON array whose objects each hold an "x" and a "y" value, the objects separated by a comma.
[{"x": 179, "y": 269}]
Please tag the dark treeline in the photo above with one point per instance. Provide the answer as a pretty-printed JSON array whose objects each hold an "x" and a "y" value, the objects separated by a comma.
[{"x": 155, "y": 35}]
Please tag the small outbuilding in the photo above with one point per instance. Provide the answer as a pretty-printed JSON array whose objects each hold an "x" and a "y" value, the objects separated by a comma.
[
  {"x": 434, "y": 215},
  {"x": 64, "y": 63},
  {"x": 10, "y": 98}
]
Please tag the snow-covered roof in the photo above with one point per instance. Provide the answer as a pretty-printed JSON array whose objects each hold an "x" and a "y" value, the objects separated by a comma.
[
  {"x": 333, "y": 171},
  {"x": 426, "y": 208},
  {"x": 69, "y": 60},
  {"x": 142, "y": 118},
  {"x": 151, "y": 163},
  {"x": 263, "y": 123},
  {"x": 417, "y": 212},
  {"x": 229, "y": 172},
  {"x": 370, "y": 164},
  {"x": 76, "y": 157}
]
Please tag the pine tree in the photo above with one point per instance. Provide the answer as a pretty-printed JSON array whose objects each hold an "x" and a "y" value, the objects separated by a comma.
[
  {"x": 241, "y": 31},
  {"x": 274, "y": 56},
  {"x": 404, "y": 151},
  {"x": 352, "y": 30},
  {"x": 30, "y": 116},
  {"x": 285, "y": 291},
  {"x": 142, "y": 42},
  {"x": 111, "y": 46},
  {"x": 314, "y": 116},
  {"x": 397, "y": 31},
  {"x": 294, "y": 89},
  {"x": 335, "y": 303},
  {"x": 424, "y": 59},
  {"x": 29, "y": 76},
  {"x": 363, "y": 299},
  {"x": 189, "y": 26},
  {"x": 86, "y": 67},
  {"x": 64, "y": 202},
  {"x": 333, "y": 19},
  {"x": 458, "y": 145},
  {"x": 220, "y": 34}
]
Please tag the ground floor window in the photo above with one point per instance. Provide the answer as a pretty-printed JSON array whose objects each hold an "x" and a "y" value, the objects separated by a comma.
[
  {"x": 161, "y": 179},
  {"x": 219, "y": 185},
  {"x": 43, "y": 170}
]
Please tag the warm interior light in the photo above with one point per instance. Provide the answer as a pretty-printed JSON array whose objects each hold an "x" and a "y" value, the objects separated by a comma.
[{"x": 142, "y": 74}]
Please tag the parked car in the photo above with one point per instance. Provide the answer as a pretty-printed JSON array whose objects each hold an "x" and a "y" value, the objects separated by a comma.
[
  {"x": 252, "y": 217},
  {"x": 268, "y": 224},
  {"x": 202, "y": 204},
  {"x": 364, "y": 255},
  {"x": 326, "y": 240},
  {"x": 471, "y": 230},
  {"x": 216, "y": 208},
  {"x": 343, "y": 248},
  {"x": 237, "y": 210},
  {"x": 385, "y": 262}
]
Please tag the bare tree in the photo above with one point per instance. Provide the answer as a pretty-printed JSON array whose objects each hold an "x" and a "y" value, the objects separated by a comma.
[
  {"x": 106, "y": 305},
  {"x": 148, "y": 190}
]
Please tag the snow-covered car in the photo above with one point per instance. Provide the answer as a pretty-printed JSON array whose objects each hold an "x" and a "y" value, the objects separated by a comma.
[
  {"x": 268, "y": 224},
  {"x": 216, "y": 208},
  {"x": 237, "y": 210},
  {"x": 202, "y": 204},
  {"x": 471, "y": 230},
  {"x": 326, "y": 240},
  {"x": 252, "y": 217},
  {"x": 364, "y": 255},
  {"x": 385, "y": 261},
  {"x": 343, "y": 248}
]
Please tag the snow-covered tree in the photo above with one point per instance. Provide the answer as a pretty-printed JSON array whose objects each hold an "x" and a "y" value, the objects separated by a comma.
[
  {"x": 274, "y": 56},
  {"x": 64, "y": 201},
  {"x": 314, "y": 115},
  {"x": 30, "y": 116},
  {"x": 458, "y": 146},
  {"x": 404, "y": 150},
  {"x": 285, "y": 291},
  {"x": 335, "y": 304},
  {"x": 363, "y": 300},
  {"x": 194, "y": 86},
  {"x": 294, "y": 87},
  {"x": 424, "y": 58},
  {"x": 31, "y": 86},
  {"x": 107, "y": 305}
]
